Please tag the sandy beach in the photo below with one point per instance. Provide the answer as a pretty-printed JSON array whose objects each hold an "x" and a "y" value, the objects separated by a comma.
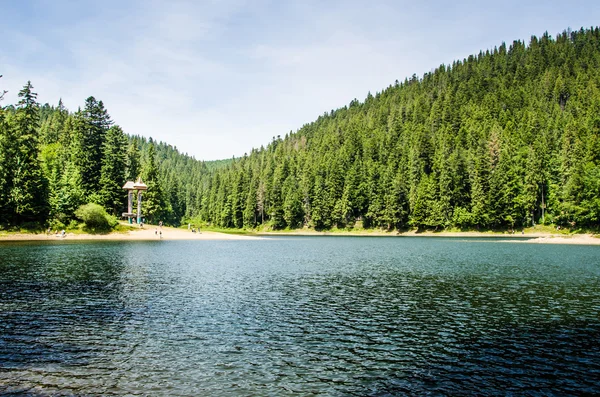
[
  {"x": 580, "y": 239},
  {"x": 527, "y": 238},
  {"x": 145, "y": 234},
  {"x": 168, "y": 233}
]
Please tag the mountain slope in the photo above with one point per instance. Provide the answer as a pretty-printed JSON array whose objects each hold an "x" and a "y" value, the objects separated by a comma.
[{"x": 503, "y": 138}]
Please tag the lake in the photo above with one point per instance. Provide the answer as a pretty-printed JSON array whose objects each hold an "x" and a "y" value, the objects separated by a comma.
[{"x": 338, "y": 316}]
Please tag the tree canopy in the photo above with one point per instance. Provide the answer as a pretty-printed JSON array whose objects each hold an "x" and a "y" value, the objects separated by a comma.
[{"x": 508, "y": 137}]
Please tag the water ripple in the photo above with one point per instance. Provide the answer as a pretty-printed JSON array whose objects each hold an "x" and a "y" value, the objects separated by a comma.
[{"x": 299, "y": 316}]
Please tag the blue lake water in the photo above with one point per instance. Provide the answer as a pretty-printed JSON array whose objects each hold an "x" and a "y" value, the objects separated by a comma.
[{"x": 339, "y": 316}]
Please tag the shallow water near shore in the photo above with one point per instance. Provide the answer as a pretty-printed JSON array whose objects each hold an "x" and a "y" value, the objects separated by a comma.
[{"x": 299, "y": 316}]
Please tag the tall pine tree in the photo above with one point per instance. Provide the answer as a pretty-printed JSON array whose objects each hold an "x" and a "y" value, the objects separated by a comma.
[
  {"x": 112, "y": 173},
  {"x": 28, "y": 194},
  {"x": 153, "y": 203},
  {"x": 96, "y": 123}
]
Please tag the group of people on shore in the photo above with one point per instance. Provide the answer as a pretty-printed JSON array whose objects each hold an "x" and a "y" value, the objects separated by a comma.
[
  {"x": 193, "y": 229},
  {"x": 61, "y": 234},
  {"x": 158, "y": 230}
]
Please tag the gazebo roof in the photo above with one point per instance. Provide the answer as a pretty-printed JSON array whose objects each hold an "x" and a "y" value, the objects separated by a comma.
[{"x": 138, "y": 185}]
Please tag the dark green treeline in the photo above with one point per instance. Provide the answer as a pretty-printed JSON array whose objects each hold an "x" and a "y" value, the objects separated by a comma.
[
  {"x": 52, "y": 161},
  {"x": 501, "y": 139}
]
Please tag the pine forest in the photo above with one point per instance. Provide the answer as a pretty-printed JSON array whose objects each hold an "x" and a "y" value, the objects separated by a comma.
[{"x": 503, "y": 139}]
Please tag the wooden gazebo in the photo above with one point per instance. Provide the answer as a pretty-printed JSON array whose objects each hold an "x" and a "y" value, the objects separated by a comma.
[{"x": 140, "y": 187}]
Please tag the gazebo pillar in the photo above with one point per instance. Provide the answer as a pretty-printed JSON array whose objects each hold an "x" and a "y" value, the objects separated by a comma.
[
  {"x": 129, "y": 204},
  {"x": 139, "y": 207},
  {"x": 140, "y": 187}
]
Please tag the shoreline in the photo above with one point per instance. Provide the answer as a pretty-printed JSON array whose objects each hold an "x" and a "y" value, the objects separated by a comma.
[
  {"x": 169, "y": 233},
  {"x": 146, "y": 234},
  {"x": 527, "y": 238}
]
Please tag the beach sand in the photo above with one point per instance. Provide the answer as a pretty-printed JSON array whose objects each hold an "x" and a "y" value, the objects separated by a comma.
[
  {"x": 581, "y": 239},
  {"x": 168, "y": 233},
  {"x": 145, "y": 234},
  {"x": 527, "y": 238}
]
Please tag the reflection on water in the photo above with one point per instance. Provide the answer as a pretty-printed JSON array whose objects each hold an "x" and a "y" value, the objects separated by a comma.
[{"x": 296, "y": 316}]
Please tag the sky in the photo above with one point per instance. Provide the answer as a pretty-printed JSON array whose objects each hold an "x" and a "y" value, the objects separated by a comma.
[{"x": 218, "y": 78}]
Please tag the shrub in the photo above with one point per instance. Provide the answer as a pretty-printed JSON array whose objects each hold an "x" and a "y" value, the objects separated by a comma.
[
  {"x": 73, "y": 225},
  {"x": 95, "y": 217},
  {"x": 56, "y": 224},
  {"x": 112, "y": 221}
]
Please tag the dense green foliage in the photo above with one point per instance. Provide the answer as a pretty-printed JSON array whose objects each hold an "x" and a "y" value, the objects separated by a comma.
[
  {"x": 52, "y": 162},
  {"x": 502, "y": 139},
  {"x": 95, "y": 218}
]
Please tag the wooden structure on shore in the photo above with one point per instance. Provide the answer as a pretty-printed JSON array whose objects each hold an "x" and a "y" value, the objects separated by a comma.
[{"x": 139, "y": 187}]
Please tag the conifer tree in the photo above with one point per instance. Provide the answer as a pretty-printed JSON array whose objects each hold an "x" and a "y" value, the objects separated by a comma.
[
  {"x": 133, "y": 162},
  {"x": 95, "y": 124},
  {"x": 7, "y": 150},
  {"x": 153, "y": 203},
  {"x": 28, "y": 193},
  {"x": 112, "y": 174}
]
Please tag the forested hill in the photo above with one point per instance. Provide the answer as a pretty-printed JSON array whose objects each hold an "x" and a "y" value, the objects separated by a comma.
[{"x": 501, "y": 139}]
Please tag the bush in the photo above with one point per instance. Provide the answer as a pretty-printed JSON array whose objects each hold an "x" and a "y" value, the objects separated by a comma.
[
  {"x": 56, "y": 224},
  {"x": 73, "y": 225},
  {"x": 95, "y": 217},
  {"x": 112, "y": 221}
]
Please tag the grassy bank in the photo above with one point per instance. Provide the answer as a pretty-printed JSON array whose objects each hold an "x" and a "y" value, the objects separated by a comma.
[
  {"x": 124, "y": 227},
  {"x": 538, "y": 230},
  {"x": 73, "y": 228},
  {"x": 241, "y": 232}
]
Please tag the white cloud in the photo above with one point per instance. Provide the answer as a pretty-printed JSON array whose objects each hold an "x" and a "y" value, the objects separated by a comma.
[{"x": 216, "y": 78}]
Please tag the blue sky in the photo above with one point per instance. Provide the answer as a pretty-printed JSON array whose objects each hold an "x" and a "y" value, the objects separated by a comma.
[{"x": 217, "y": 78}]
